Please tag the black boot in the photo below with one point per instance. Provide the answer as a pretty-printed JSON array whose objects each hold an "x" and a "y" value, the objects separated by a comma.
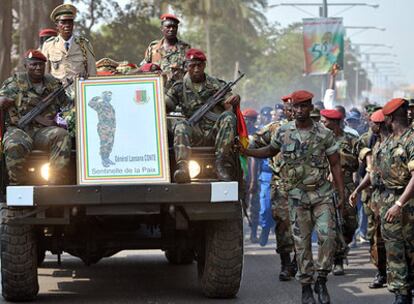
[
  {"x": 307, "y": 294},
  {"x": 223, "y": 170},
  {"x": 338, "y": 269},
  {"x": 379, "y": 281},
  {"x": 181, "y": 175},
  {"x": 286, "y": 265},
  {"x": 322, "y": 291},
  {"x": 403, "y": 299}
]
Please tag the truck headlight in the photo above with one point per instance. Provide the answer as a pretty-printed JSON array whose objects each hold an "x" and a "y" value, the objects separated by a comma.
[
  {"x": 194, "y": 168},
  {"x": 44, "y": 171}
]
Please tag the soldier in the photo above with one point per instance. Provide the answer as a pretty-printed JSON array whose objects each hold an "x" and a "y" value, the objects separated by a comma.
[
  {"x": 411, "y": 111},
  {"x": 68, "y": 55},
  {"x": 106, "y": 67},
  {"x": 396, "y": 166},
  {"x": 169, "y": 52},
  {"x": 280, "y": 209},
  {"x": 20, "y": 94},
  {"x": 316, "y": 115},
  {"x": 377, "y": 246},
  {"x": 253, "y": 188},
  {"x": 349, "y": 163},
  {"x": 45, "y": 34},
  {"x": 217, "y": 128},
  {"x": 106, "y": 125},
  {"x": 307, "y": 151}
]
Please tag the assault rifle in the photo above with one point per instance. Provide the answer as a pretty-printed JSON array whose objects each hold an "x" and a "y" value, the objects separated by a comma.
[
  {"x": 212, "y": 101},
  {"x": 339, "y": 222},
  {"x": 42, "y": 105}
]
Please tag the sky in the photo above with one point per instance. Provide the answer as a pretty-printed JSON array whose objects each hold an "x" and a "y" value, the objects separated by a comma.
[{"x": 393, "y": 15}]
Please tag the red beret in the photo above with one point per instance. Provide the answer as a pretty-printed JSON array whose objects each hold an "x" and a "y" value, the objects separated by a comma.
[
  {"x": 150, "y": 67},
  {"x": 47, "y": 32},
  {"x": 301, "y": 96},
  {"x": 249, "y": 112},
  {"x": 377, "y": 116},
  {"x": 104, "y": 73},
  {"x": 32, "y": 54},
  {"x": 331, "y": 114},
  {"x": 170, "y": 17},
  {"x": 286, "y": 98},
  {"x": 195, "y": 54},
  {"x": 392, "y": 105}
]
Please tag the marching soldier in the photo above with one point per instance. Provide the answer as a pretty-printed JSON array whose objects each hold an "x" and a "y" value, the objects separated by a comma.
[
  {"x": 280, "y": 208},
  {"x": 217, "y": 128},
  {"x": 68, "y": 55},
  {"x": 106, "y": 125},
  {"x": 370, "y": 156},
  {"x": 349, "y": 163},
  {"x": 169, "y": 52},
  {"x": 18, "y": 96},
  {"x": 308, "y": 150}
]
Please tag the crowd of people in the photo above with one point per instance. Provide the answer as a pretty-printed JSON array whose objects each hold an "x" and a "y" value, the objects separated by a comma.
[{"x": 306, "y": 160}]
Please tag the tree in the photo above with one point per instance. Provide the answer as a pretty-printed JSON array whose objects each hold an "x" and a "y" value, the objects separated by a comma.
[{"x": 6, "y": 19}]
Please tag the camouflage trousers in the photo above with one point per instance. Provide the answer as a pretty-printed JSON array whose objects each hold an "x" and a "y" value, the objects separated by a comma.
[
  {"x": 106, "y": 137},
  {"x": 349, "y": 215},
  {"x": 399, "y": 244},
  {"x": 221, "y": 135},
  {"x": 18, "y": 144},
  {"x": 314, "y": 210},
  {"x": 377, "y": 245},
  {"x": 283, "y": 230}
]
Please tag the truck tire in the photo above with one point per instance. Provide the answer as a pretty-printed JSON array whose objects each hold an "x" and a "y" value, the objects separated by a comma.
[
  {"x": 18, "y": 258},
  {"x": 179, "y": 257},
  {"x": 220, "y": 262}
]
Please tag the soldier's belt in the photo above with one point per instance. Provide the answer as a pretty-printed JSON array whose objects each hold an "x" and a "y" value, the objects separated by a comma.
[{"x": 312, "y": 187}]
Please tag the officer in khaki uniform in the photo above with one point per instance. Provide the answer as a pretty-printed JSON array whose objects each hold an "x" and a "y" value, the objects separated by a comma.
[{"x": 68, "y": 55}]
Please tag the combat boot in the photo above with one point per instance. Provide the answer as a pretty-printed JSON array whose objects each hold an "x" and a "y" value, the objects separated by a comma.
[
  {"x": 322, "y": 291},
  {"x": 379, "y": 281},
  {"x": 223, "y": 170},
  {"x": 181, "y": 175},
  {"x": 338, "y": 269},
  {"x": 286, "y": 265},
  {"x": 307, "y": 294}
]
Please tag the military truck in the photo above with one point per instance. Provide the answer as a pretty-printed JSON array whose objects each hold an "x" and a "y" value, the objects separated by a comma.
[{"x": 200, "y": 221}]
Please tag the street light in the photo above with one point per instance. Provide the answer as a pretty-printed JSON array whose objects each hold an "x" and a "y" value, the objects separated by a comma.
[
  {"x": 365, "y": 28},
  {"x": 373, "y": 44},
  {"x": 319, "y": 4}
]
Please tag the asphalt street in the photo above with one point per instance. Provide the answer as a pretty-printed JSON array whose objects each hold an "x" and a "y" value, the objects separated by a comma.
[{"x": 146, "y": 277}]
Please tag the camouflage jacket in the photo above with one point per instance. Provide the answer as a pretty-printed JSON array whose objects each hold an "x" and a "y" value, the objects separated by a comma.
[
  {"x": 349, "y": 156},
  {"x": 183, "y": 94},
  {"x": 396, "y": 160},
  {"x": 373, "y": 167},
  {"x": 304, "y": 164},
  {"x": 26, "y": 97},
  {"x": 166, "y": 58},
  {"x": 106, "y": 112}
]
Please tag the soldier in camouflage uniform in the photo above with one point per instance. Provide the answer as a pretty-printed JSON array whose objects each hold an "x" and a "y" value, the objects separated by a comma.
[
  {"x": 280, "y": 208},
  {"x": 217, "y": 128},
  {"x": 169, "y": 52},
  {"x": 106, "y": 125},
  {"x": 308, "y": 151},
  {"x": 396, "y": 169},
  {"x": 349, "y": 163},
  {"x": 370, "y": 156},
  {"x": 20, "y": 94}
]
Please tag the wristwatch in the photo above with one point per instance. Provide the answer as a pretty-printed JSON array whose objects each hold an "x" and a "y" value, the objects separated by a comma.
[{"x": 399, "y": 204}]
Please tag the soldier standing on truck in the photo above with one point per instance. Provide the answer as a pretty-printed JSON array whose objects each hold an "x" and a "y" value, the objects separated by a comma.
[
  {"x": 218, "y": 128},
  {"x": 19, "y": 95},
  {"x": 106, "y": 125},
  {"x": 308, "y": 151},
  {"x": 169, "y": 52}
]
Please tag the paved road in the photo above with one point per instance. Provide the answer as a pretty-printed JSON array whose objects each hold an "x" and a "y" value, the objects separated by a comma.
[{"x": 146, "y": 277}]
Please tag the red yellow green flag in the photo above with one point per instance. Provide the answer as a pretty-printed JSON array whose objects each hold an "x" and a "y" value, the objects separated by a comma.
[{"x": 243, "y": 137}]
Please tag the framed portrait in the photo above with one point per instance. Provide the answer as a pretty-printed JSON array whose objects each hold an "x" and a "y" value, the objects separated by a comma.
[{"x": 121, "y": 130}]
